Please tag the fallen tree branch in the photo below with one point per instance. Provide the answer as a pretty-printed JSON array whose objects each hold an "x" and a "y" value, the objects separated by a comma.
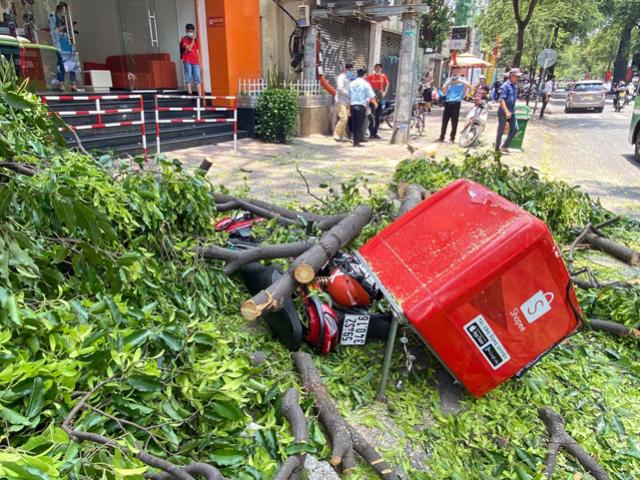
[
  {"x": 292, "y": 468},
  {"x": 559, "y": 438},
  {"x": 410, "y": 196},
  {"x": 592, "y": 283},
  {"x": 614, "y": 328},
  {"x": 615, "y": 249},
  {"x": 18, "y": 168},
  {"x": 305, "y": 267},
  {"x": 238, "y": 258},
  {"x": 173, "y": 471},
  {"x": 76, "y": 137},
  {"x": 284, "y": 216},
  {"x": 196, "y": 470},
  {"x": 344, "y": 438},
  {"x": 308, "y": 187}
]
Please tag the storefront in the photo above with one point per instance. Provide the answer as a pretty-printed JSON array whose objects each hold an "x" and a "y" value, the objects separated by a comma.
[{"x": 130, "y": 44}]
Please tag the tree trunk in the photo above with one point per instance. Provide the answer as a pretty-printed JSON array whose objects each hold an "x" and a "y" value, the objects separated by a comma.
[
  {"x": 622, "y": 59},
  {"x": 551, "y": 71},
  {"x": 517, "y": 58}
]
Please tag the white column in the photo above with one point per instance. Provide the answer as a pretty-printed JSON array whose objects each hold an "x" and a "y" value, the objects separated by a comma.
[{"x": 375, "y": 45}]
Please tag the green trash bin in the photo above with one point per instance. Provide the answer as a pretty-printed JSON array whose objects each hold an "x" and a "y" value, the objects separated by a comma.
[{"x": 522, "y": 115}]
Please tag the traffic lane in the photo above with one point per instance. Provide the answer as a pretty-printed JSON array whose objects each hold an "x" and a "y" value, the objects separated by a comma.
[{"x": 592, "y": 150}]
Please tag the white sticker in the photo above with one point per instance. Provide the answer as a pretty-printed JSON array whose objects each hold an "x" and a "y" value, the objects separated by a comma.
[
  {"x": 537, "y": 305},
  {"x": 487, "y": 342},
  {"x": 354, "y": 329}
]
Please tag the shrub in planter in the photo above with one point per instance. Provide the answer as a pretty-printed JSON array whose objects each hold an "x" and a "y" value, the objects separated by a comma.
[{"x": 277, "y": 115}]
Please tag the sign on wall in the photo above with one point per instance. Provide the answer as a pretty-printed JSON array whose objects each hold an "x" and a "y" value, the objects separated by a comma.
[{"x": 215, "y": 22}]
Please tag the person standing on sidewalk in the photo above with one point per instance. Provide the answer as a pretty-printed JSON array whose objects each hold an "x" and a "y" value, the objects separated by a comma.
[
  {"x": 360, "y": 95},
  {"x": 380, "y": 84},
  {"x": 506, "y": 111},
  {"x": 547, "y": 90},
  {"x": 342, "y": 103},
  {"x": 189, "y": 53},
  {"x": 454, "y": 89}
]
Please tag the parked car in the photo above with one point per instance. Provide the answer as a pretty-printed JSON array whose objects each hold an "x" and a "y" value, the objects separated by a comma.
[
  {"x": 586, "y": 95},
  {"x": 634, "y": 129}
]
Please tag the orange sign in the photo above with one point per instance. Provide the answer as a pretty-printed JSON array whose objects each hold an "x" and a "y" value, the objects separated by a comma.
[{"x": 215, "y": 22}]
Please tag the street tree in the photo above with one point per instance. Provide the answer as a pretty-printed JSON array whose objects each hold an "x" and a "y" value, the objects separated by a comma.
[
  {"x": 435, "y": 24},
  {"x": 523, "y": 11}
]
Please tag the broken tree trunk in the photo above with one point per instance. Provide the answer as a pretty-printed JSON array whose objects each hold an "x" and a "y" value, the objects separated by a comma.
[
  {"x": 559, "y": 438},
  {"x": 615, "y": 249},
  {"x": 305, "y": 267},
  {"x": 344, "y": 438},
  {"x": 292, "y": 468},
  {"x": 613, "y": 328},
  {"x": 238, "y": 258},
  {"x": 410, "y": 196}
]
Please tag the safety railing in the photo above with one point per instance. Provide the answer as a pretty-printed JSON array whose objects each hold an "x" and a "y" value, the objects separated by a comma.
[
  {"x": 197, "y": 113},
  {"x": 99, "y": 112},
  {"x": 255, "y": 87}
]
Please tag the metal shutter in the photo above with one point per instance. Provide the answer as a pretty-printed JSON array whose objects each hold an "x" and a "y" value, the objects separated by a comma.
[
  {"x": 390, "y": 58},
  {"x": 343, "y": 43}
]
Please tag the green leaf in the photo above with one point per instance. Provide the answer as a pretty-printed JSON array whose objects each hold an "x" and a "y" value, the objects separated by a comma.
[
  {"x": 228, "y": 410},
  {"x": 136, "y": 338},
  {"x": 297, "y": 448},
  {"x": 227, "y": 456},
  {"x": 37, "y": 398},
  {"x": 15, "y": 101},
  {"x": 144, "y": 383},
  {"x": 171, "y": 341},
  {"x": 13, "y": 417}
]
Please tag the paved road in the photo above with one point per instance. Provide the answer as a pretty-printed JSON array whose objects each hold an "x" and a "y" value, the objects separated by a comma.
[{"x": 590, "y": 150}]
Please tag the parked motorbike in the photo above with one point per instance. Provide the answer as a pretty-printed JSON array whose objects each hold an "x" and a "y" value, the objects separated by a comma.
[
  {"x": 388, "y": 111},
  {"x": 474, "y": 124}
]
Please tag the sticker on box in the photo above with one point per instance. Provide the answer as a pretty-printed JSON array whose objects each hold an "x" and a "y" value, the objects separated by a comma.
[
  {"x": 487, "y": 342},
  {"x": 537, "y": 305}
]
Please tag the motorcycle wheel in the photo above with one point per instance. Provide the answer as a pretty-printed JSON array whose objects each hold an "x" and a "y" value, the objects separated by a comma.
[
  {"x": 389, "y": 120},
  {"x": 469, "y": 135}
]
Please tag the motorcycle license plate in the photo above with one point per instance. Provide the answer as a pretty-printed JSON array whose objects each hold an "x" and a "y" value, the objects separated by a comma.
[{"x": 354, "y": 329}]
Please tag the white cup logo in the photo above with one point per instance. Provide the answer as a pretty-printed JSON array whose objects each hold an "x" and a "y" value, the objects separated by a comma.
[{"x": 537, "y": 305}]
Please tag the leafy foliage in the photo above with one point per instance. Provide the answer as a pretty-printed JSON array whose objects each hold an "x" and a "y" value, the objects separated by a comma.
[
  {"x": 277, "y": 115},
  {"x": 98, "y": 278}
]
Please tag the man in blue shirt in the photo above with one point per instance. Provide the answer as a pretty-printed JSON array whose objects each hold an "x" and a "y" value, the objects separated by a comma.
[
  {"x": 507, "y": 96},
  {"x": 360, "y": 96},
  {"x": 454, "y": 89}
]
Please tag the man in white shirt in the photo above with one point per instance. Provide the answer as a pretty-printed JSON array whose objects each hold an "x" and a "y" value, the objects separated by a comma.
[
  {"x": 547, "y": 90},
  {"x": 342, "y": 102},
  {"x": 361, "y": 94}
]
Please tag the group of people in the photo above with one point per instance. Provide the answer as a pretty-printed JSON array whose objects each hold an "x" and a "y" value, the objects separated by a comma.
[{"x": 359, "y": 97}]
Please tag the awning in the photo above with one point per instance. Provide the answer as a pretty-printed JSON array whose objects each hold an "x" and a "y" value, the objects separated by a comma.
[{"x": 467, "y": 60}]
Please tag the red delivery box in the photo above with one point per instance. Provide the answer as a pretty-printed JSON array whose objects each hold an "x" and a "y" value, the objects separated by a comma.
[{"x": 479, "y": 279}]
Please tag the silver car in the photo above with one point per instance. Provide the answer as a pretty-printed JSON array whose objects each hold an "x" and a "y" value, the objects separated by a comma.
[{"x": 585, "y": 95}]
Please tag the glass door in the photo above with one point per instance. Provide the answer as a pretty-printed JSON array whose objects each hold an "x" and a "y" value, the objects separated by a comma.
[{"x": 140, "y": 44}]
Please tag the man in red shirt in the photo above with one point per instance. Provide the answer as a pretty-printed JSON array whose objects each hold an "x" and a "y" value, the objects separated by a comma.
[
  {"x": 380, "y": 84},
  {"x": 189, "y": 53}
]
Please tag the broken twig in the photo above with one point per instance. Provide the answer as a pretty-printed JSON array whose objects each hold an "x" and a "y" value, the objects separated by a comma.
[{"x": 559, "y": 438}]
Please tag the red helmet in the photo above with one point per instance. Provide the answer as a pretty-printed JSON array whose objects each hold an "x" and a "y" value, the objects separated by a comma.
[
  {"x": 323, "y": 328},
  {"x": 347, "y": 291}
]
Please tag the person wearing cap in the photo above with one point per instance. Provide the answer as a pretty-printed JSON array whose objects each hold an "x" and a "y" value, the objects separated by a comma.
[
  {"x": 454, "y": 89},
  {"x": 342, "y": 103},
  {"x": 507, "y": 97},
  {"x": 360, "y": 95},
  {"x": 380, "y": 84}
]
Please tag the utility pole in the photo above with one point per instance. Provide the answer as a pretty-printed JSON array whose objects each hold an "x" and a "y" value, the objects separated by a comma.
[
  {"x": 405, "y": 91},
  {"x": 310, "y": 61}
]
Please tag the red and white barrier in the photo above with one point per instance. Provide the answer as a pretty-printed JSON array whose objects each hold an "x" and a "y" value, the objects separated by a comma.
[
  {"x": 198, "y": 109},
  {"x": 98, "y": 112}
]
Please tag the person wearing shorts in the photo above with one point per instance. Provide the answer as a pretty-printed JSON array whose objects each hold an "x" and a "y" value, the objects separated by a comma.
[
  {"x": 427, "y": 92},
  {"x": 189, "y": 52}
]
